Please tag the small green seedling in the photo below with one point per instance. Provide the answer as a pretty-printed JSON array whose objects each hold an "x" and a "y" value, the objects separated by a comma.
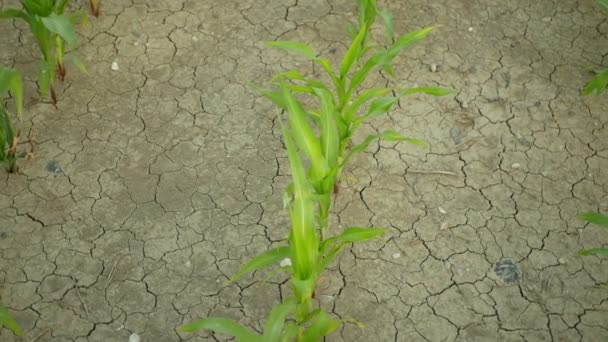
[
  {"x": 318, "y": 143},
  {"x": 600, "y": 220},
  {"x": 53, "y": 29},
  {"x": 9, "y": 322},
  {"x": 10, "y": 80},
  {"x": 600, "y": 82}
]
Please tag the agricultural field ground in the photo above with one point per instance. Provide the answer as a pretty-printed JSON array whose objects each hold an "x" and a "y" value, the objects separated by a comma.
[{"x": 161, "y": 171}]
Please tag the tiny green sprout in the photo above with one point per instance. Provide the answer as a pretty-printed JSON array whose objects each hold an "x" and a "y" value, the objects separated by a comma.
[
  {"x": 600, "y": 220},
  {"x": 9, "y": 322},
  {"x": 10, "y": 81}
]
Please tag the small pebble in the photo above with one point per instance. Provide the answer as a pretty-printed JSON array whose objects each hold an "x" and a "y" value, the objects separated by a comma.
[
  {"x": 194, "y": 38},
  {"x": 464, "y": 104},
  {"x": 134, "y": 338},
  {"x": 285, "y": 262},
  {"x": 115, "y": 66},
  {"x": 444, "y": 226},
  {"x": 433, "y": 67},
  {"x": 515, "y": 165},
  {"x": 470, "y": 29},
  {"x": 136, "y": 43},
  {"x": 396, "y": 255},
  {"x": 562, "y": 261},
  {"x": 441, "y": 210},
  {"x": 546, "y": 19},
  {"x": 188, "y": 263}
]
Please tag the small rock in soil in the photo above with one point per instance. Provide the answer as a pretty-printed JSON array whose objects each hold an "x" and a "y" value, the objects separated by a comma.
[
  {"x": 455, "y": 135},
  {"x": 54, "y": 168},
  {"x": 507, "y": 271}
]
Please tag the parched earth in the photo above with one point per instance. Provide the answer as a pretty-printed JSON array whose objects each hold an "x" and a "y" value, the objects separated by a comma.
[{"x": 161, "y": 171}]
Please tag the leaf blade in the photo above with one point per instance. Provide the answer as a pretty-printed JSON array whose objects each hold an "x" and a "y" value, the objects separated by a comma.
[
  {"x": 276, "y": 320},
  {"x": 595, "y": 218},
  {"x": 61, "y": 25},
  {"x": 7, "y": 320},
  {"x": 224, "y": 326},
  {"x": 268, "y": 258},
  {"x": 294, "y": 47}
]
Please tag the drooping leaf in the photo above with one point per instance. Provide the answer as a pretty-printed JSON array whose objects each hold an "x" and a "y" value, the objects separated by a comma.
[
  {"x": 376, "y": 61},
  {"x": 9, "y": 322},
  {"x": 274, "y": 96},
  {"x": 597, "y": 85},
  {"x": 61, "y": 25},
  {"x": 360, "y": 100},
  {"x": 388, "y": 135},
  {"x": 10, "y": 80},
  {"x": 46, "y": 74},
  {"x": 358, "y": 234},
  {"x": 434, "y": 91},
  {"x": 294, "y": 47},
  {"x": 322, "y": 326},
  {"x": 276, "y": 320},
  {"x": 290, "y": 332},
  {"x": 381, "y": 106},
  {"x": 224, "y": 326},
  {"x": 595, "y": 218},
  {"x": 603, "y": 3},
  {"x": 40, "y": 8},
  {"x": 597, "y": 251},
  {"x": 268, "y": 258}
]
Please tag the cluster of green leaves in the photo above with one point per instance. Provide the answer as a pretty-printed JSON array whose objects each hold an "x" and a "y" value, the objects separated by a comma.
[
  {"x": 600, "y": 220},
  {"x": 322, "y": 137},
  {"x": 600, "y": 82},
  {"x": 10, "y": 80},
  {"x": 53, "y": 30},
  {"x": 9, "y": 322}
]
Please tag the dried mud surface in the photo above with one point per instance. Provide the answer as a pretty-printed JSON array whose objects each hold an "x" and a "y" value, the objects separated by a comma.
[{"x": 153, "y": 183}]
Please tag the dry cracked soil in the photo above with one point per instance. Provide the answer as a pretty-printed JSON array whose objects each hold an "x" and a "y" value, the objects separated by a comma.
[{"x": 156, "y": 177}]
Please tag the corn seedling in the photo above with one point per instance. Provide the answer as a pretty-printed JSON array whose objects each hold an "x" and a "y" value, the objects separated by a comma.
[
  {"x": 600, "y": 82},
  {"x": 94, "y": 5},
  {"x": 9, "y": 322},
  {"x": 10, "y": 80},
  {"x": 321, "y": 138},
  {"x": 600, "y": 220},
  {"x": 53, "y": 30}
]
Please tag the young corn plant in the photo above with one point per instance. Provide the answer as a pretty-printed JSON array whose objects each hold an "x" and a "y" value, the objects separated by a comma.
[
  {"x": 600, "y": 82},
  {"x": 321, "y": 139},
  {"x": 53, "y": 30},
  {"x": 10, "y": 80},
  {"x": 9, "y": 322}
]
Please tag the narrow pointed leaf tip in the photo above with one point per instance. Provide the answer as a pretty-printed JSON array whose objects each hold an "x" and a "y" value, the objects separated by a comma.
[{"x": 294, "y": 47}]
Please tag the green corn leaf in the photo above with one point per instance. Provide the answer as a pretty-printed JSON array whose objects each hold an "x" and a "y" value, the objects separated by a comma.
[
  {"x": 434, "y": 91},
  {"x": 365, "y": 96},
  {"x": 224, "y": 326},
  {"x": 61, "y": 25},
  {"x": 387, "y": 16},
  {"x": 274, "y": 96},
  {"x": 376, "y": 61},
  {"x": 304, "y": 136},
  {"x": 40, "y": 8},
  {"x": 78, "y": 63},
  {"x": 357, "y": 234},
  {"x": 290, "y": 75},
  {"x": 294, "y": 47},
  {"x": 60, "y": 6},
  {"x": 322, "y": 326},
  {"x": 603, "y": 3},
  {"x": 326, "y": 65},
  {"x": 380, "y": 106},
  {"x": 276, "y": 320},
  {"x": 388, "y": 135},
  {"x": 303, "y": 237},
  {"x": 268, "y": 258},
  {"x": 596, "y": 251},
  {"x": 597, "y": 85},
  {"x": 330, "y": 141},
  {"x": 9, "y": 322},
  {"x": 10, "y": 79},
  {"x": 290, "y": 332},
  {"x": 595, "y": 218},
  {"x": 46, "y": 75},
  {"x": 408, "y": 40},
  {"x": 12, "y": 13},
  {"x": 353, "y": 53}
]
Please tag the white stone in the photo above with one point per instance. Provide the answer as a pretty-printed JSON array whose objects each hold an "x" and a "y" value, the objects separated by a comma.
[
  {"x": 285, "y": 262},
  {"x": 515, "y": 165},
  {"x": 115, "y": 66},
  {"x": 396, "y": 255},
  {"x": 433, "y": 67},
  {"x": 470, "y": 29},
  {"x": 442, "y": 211},
  {"x": 134, "y": 338}
]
